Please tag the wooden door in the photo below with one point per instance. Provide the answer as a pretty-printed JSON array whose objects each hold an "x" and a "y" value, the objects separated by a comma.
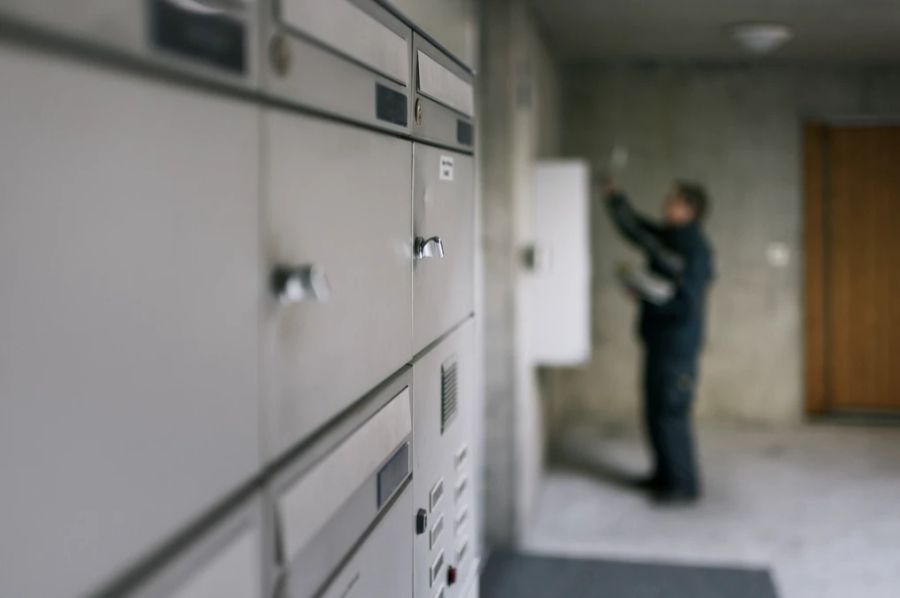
[{"x": 853, "y": 268}]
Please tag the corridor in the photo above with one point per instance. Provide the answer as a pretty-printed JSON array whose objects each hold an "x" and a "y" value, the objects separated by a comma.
[{"x": 385, "y": 298}]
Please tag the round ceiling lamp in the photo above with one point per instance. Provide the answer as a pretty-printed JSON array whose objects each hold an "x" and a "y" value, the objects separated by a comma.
[{"x": 761, "y": 38}]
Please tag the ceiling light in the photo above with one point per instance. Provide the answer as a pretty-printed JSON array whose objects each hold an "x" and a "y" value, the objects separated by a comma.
[{"x": 761, "y": 38}]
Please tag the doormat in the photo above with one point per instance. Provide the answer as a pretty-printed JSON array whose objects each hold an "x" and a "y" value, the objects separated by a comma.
[{"x": 510, "y": 575}]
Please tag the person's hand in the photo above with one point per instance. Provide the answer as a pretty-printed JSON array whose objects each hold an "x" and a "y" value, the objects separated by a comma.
[
  {"x": 610, "y": 188},
  {"x": 604, "y": 186}
]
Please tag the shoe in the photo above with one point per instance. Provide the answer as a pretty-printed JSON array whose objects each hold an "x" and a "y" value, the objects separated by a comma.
[
  {"x": 675, "y": 496},
  {"x": 650, "y": 483}
]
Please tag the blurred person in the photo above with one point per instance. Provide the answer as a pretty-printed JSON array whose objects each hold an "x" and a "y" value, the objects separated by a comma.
[{"x": 672, "y": 295}]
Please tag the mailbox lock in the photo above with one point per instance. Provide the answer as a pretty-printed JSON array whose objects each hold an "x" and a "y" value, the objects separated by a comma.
[
  {"x": 419, "y": 111},
  {"x": 280, "y": 55},
  {"x": 421, "y": 521}
]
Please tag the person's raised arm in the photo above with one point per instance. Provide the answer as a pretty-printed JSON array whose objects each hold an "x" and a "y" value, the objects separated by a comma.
[{"x": 641, "y": 232}]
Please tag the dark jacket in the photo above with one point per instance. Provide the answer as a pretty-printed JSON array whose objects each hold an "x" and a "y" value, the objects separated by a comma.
[{"x": 673, "y": 330}]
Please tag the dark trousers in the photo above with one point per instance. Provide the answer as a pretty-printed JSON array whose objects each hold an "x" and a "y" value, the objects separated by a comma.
[{"x": 668, "y": 398}]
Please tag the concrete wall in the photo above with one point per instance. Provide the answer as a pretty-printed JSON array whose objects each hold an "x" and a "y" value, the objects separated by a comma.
[
  {"x": 519, "y": 121},
  {"x": 737, "y": 129}
]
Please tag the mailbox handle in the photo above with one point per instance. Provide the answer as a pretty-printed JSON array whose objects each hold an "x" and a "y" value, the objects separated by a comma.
[
  {"x": 297, "y": 284},
  {"x": 208, "y": 7},
  {"x": 429, "y": 248}
]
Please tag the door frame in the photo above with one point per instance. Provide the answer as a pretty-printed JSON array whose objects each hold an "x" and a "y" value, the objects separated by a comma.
[{"x": 817, "y": 391}]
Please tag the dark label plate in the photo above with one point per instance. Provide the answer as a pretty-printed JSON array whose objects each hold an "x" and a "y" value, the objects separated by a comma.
[
  {"x": 464, "y": 132},
  {"x": 390, "y": 105},
  {"x": 214, "y": 39},
  {"x": 393, "y": 474}
]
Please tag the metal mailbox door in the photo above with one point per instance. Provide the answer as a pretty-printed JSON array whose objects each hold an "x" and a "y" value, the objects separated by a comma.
[
  {"x": 443, "y": 242},
  {"x": 348, "y": 58},
  {"x": 226, "y": 560},
  {"x": 212, "y": 39},
  {"x": 453, "y": 23},
  {"x": 128, "y": 313},
  {"x": 382, "y": 566},
  {"x": 337, "y": 249},
  {"x": 444, "y": 107},
  {"x": 327, "y": 499},
  {"x": 358, "y": 29}
]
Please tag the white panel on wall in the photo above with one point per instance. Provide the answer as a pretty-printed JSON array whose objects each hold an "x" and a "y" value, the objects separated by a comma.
[{"x": 560, "y": 281}]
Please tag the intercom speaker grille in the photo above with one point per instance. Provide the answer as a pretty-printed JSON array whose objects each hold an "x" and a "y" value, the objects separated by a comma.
[{"x": 448, "y": 393}]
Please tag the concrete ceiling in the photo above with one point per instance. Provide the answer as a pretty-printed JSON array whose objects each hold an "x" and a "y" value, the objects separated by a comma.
[{"x": 825, "y": 30}]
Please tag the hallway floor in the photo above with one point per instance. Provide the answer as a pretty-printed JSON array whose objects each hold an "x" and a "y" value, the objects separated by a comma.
[{"x": 819, "y": 505}]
